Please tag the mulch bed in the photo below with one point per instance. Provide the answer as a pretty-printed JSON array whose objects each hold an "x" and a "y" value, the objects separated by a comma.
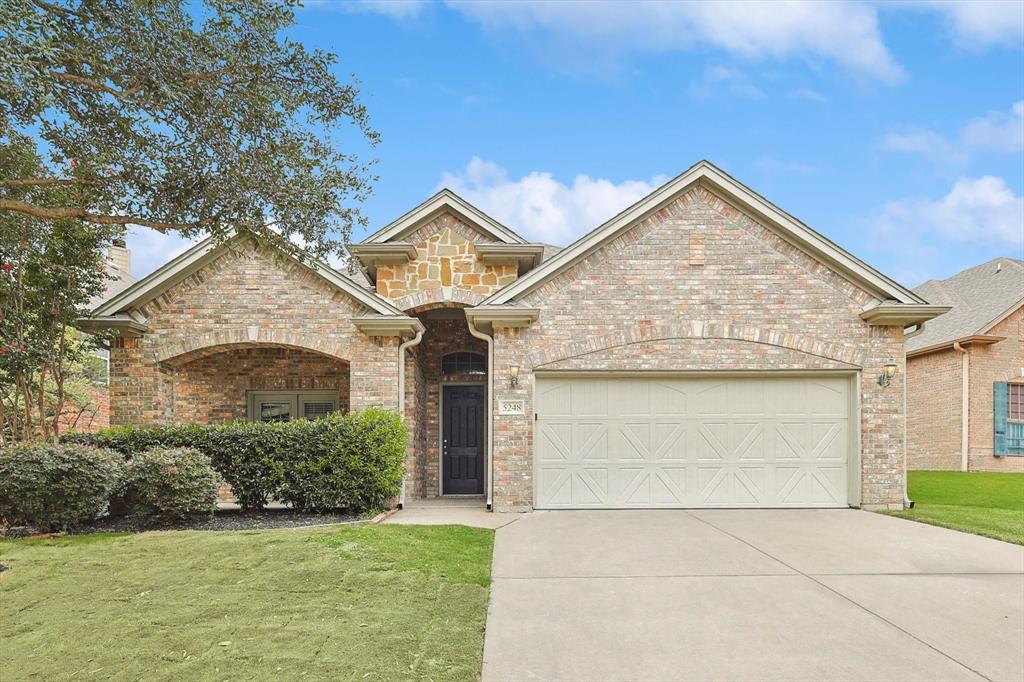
[{"x": 222, "y": 520}]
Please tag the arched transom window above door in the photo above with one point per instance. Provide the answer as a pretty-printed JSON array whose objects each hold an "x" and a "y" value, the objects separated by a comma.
[{"x": 464, "y": 363}]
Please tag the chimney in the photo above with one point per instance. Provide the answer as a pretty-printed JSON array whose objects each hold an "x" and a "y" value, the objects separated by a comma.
[{"x": 119, "y": 256}]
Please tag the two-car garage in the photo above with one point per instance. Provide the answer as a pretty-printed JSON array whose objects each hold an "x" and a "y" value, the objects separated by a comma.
[{"x": 663, "y": 441}]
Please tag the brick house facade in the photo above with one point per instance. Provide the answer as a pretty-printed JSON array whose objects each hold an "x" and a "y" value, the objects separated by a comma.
[
  {"x": 959, "y": 363},
  {"x": 702, "y": 348}
]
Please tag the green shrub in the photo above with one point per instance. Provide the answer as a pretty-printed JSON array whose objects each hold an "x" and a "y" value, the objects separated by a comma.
[
  {"x": 53, "y": 487},
  {"x": 353, "y": 461},
  {"x": 169, "y": 484}
]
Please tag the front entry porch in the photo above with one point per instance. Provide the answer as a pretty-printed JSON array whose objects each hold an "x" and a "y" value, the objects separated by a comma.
[{"x": 445, "y": 408}]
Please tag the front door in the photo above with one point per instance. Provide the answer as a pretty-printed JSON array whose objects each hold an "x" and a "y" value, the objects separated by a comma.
[{"x": 462, "y": 440}]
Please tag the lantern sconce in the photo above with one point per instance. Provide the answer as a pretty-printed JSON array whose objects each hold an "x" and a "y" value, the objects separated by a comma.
[
  {"x": 513, "y": 373},
  {"x": 888, "y": 372}
]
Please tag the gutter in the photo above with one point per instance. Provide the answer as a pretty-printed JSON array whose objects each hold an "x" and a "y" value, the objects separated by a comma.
[
  {"x": 965, "y": 403},
  {"x": 414, "y": 341},
  {"x": 490, "y": 409}
]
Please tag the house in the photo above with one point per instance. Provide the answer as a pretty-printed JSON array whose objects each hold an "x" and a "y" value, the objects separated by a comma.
[
  {"x": 965, "y": 373},
  {"x": 703, "y": 348}
]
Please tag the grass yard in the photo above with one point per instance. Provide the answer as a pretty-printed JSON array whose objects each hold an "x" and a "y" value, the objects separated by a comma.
[
  {"x": 363, "y": 603},
  {"x": 981, "y": 503}
]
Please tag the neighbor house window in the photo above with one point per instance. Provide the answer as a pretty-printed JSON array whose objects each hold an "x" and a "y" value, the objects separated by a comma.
[
  {"x": 464, "y": 363},
  {"x": 1008, "y": 431},
  {"x": 1015, "y": 402}
]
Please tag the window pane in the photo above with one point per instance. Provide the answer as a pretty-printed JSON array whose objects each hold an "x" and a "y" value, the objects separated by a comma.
[
  {"x": 1015, "y": 402},
  {"x": 317, "y": 410},
  {"x": 464, "y": 363},
  {"x": 275, "y": 412}
]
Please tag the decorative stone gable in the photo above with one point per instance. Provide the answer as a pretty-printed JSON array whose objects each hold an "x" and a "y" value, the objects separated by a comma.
[{"x": 445, "y": 257}]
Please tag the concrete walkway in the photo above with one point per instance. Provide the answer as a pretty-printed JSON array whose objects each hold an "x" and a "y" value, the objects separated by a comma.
[
  {"x": 443, "y": 511},
  {"x": 751, "y": 595}
]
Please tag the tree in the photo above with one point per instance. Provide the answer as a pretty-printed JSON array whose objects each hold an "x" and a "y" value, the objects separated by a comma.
[
  {"x": 50, "y": 270},
  {"x": 200, "y": 118}
]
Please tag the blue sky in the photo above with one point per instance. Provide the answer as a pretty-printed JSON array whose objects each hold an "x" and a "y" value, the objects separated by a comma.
[{"x": 896, "y": 130}]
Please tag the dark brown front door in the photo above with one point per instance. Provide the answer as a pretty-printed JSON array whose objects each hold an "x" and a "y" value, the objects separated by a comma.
[{"x": 462, "y": 440}]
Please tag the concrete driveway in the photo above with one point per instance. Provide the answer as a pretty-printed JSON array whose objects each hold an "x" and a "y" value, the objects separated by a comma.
[{"x": 751, "y": 595}]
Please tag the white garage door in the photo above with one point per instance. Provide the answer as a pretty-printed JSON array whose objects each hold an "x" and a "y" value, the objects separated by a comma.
[{"x": 696, "y": 442}]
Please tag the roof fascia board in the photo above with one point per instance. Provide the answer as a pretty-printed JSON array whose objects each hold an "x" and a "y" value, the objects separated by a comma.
[
  {"x": 506, "y": 316},
  {"x": 125, "y": 325},
  {"x": 171, "y": 273},
  {"x": 434, "y": 206},
  {"x": 976, "y": 339},
  {"x": 388, "y": 325},
  {"x": 803, "y": 236},
  {"x": 890, "y": 314}
]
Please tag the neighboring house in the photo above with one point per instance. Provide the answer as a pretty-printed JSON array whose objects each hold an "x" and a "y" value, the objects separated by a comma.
[
  {"x": 95, "y": 414},
  {"x": 701, "y": 349},
  {"x": 965, "y": 373}
]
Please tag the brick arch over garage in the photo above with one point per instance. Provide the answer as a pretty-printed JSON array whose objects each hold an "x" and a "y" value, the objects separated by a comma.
[
  {"x": 699, "y": 329},
  {"x": 184, "y": 350}
]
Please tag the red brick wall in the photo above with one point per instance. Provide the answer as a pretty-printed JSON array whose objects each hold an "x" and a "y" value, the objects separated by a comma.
[
  {"x": 244, "y": 298},
  {"x": 1002, "y": 361},
  {"x": 749, "y": 286},
  {"x": 934, "y": 410},
  {"x": 213, "y": 388}
]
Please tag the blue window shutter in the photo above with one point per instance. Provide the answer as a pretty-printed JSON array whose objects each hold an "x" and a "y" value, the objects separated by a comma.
[{"x": 999, "y": 431}]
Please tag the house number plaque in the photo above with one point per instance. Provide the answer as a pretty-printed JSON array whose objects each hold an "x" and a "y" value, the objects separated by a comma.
[{"x": 511, "y": 407}]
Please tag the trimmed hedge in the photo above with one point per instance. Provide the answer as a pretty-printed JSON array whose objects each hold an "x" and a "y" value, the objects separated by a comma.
[
  {"x": 169, "y": 484},
  {"x": 52, "y": 487},
  {"x": 353, "y": 461}
]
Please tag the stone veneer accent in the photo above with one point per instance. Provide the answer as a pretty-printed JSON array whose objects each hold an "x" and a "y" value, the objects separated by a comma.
[
  {"x": 246, "y": 298},
  {"x": 445, "y": 257},
  {"x": 644, "y": 301}
]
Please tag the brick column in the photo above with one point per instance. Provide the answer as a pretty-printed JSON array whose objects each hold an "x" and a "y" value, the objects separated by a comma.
[{"x": 513, "y": 435}]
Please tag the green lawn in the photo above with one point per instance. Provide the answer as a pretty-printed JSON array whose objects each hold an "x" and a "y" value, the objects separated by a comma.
[
  {"x": 360, "y": 603},
  {"x": 982, "y": 503}
]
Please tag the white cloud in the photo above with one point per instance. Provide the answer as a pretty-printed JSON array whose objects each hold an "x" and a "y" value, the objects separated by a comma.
[
  {"x": 395, "y": 9},
  {"x": 982, "y": 23},
  {"x": 977, "y": 210},
  {"x": 927, "y": 143},
  {"x": 998, "y": 130},
  {"x": 722, "y": 77},
  {"x": 540, "y": 207},
  {"x": 844, "y": 32},
  {"x": 151, "y": 249}
]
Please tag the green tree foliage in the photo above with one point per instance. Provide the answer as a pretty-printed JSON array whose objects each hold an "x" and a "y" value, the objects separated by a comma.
[
  {"x": 49, "y": 272},
  {"x": 195, "y": 117}
]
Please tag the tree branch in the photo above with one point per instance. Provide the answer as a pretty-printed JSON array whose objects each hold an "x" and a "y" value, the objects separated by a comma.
[
  {"x": 133, "y": 90},
  {"x": 65, "y": 212},
  {"x": 49, "y": 182}
]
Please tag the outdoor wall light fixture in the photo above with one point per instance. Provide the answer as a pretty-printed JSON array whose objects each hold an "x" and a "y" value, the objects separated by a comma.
[
  {"x": 513, "y": 373},
  {"x": 888, "y": 372}
]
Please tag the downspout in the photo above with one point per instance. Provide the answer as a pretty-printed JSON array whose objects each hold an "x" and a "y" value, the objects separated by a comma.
[
  {"x": 965, "y": 403},
  {"x": 490, "y": 410},
  {"x": 414, "y": 341},
  {"x": 907, "y": 502}
]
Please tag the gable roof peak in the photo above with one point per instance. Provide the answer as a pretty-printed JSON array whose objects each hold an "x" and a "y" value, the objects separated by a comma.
[
  {"x": 444, "y": 200},
  {"x": 705, "y": 172}
]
